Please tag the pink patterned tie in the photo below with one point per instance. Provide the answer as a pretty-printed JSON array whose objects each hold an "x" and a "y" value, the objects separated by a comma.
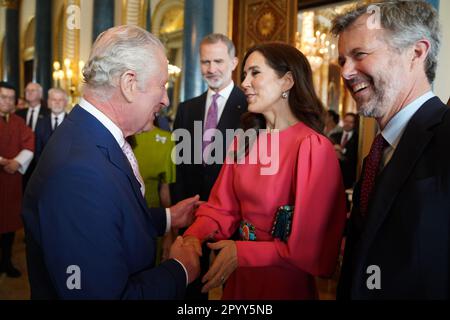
[
  {"x": 134, "y": 165},
  {"x": 370, "y": 172},
  {"x": 211, "y": 122}
]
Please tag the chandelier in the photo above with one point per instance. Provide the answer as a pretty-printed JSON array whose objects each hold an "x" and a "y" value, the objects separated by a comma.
[
  {"x": 316, "y": 46},
  {"x": 69, "y": 78}
]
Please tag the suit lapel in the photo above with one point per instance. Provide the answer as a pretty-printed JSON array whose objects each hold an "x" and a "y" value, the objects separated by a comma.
[
  {"x": 118, "y": 158},
  {"x": 106, "y": 142},
  {"x": 410, "y": 148},
  {"x": 198, "y": 113},
  {"x": 227, "y": 120}
]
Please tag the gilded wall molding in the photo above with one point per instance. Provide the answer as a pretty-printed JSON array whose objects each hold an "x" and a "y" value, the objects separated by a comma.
[
  {"x": 9, "y": 4},
  {"x": 265, "y": 20}
]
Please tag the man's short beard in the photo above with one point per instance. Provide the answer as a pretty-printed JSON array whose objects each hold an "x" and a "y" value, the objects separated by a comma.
[{"x": 380, "y": 104}]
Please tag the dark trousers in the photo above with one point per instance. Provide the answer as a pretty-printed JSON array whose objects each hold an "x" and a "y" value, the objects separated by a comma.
[{"x": 6, "y": 243}]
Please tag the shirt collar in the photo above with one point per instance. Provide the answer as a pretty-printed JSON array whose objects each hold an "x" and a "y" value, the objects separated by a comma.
[
  {"x": 104, "y": 120},
  {"x": 224, "y": 93},
  {"x": 36, "y": 108},
  {"x": 395, "y": 127},
  {"x": 59, "y": 116}
]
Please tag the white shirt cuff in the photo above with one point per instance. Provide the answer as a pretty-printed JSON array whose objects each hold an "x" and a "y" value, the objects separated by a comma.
[
  {"x": 24, "y": 159},
  {"x": 168, "y": 220},
  {"x": 185, "y": 271}
]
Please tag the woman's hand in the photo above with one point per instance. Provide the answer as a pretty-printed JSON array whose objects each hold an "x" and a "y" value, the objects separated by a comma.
[{"x": 224, "y": 264}]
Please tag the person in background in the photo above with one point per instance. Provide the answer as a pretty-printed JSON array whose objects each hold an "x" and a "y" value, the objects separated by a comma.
[
  {"x": 346, "y": 146},
  {"x": 305, "y": 196},
  {"x": 57, "y": 103},
  {"x": 31, "y": 115},
  {"x": 16, "y": 152},
  {"x": 331, "y": 123}
]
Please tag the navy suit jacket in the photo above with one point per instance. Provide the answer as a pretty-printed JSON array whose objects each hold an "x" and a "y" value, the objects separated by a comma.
[
  {"x": 199, "y": 179},
  {"x": 43, "y": 133},
  {"x": 406, "y": 229},
  {"x": 83, "y": 207}
]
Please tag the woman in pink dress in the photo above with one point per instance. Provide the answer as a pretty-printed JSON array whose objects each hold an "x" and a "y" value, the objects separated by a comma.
[{"x": 277, "y": 81}]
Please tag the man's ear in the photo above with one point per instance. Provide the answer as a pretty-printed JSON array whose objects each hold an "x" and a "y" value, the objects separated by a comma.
[
  {"x": 421, "y": 50},
  {"x": 128, "y": 85},
  {"x": 288, "y": 81},
  {"x": 235, "y": 63}
]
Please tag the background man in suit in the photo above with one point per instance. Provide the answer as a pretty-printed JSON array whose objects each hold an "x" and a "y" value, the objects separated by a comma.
[
  {"x": 16, "y": 152},
  {"x": 31, "y": 115},
  {"x": 224, "y": 103},
  {"x": 346, "y": 146},
  {"x": 89, "y": 232},
  {"x": 57, "y": 102},
  {"x": 398, "y": 241}
]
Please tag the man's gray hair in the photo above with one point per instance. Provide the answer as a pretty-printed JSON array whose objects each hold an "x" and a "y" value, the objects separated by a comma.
[
  {"x": 218, "y": 37},
  {"x": 117, "y": 50},
  {"x": 40, "y": 90},
  {"x": 57, "y": 90},
  {"x": 407, "y": 23}
]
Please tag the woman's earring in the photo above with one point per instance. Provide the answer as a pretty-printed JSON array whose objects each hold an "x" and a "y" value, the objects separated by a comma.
[{"x": 284, "y": 95}]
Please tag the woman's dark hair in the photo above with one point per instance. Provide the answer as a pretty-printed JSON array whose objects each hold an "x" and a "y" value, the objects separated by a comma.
[{"x": 303, "y": 101}]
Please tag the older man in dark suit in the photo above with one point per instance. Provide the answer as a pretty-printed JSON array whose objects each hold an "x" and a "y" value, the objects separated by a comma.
[
  {"x": 32, "y": 115},
  {"x": 220, "y": 107},
  {"x": 89, "y": 232},
  {"x": 398, "y": 240},
  {"x": 57, "y": 102}
]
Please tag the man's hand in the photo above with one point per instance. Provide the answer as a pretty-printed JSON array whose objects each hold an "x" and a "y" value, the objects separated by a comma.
[
  {"x": 223, "y": 266},
  {"x": 3, "y": 161},
  {"x": 193, "y": 242},
  {"x": 339, "y": 151},
  {"x": 11, "y": 166},
  {"x": 182, "y": 214},
  {"x": 187, "y": 256}
]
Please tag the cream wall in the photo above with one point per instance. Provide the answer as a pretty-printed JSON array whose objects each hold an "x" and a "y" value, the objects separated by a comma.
[
  {"x": 221, "y": 10},
  {"x": 442, "y": 82},
  {"x": 27, "y": 12},
  {"x": 87, "y": 12},
  {"x": 117, "y": 12}
]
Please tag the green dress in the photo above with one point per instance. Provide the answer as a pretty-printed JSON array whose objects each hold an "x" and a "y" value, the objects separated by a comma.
[{"x": 153, "y": 153}]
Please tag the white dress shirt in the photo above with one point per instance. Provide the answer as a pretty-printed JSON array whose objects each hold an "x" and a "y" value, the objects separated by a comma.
[
  {"x": 60, "y": 118},
  {"x": 36, "y": 110},
  {"x": 395, "y": 128}
]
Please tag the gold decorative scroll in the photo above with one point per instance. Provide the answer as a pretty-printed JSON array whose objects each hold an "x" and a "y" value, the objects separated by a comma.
[
  {"x": 265, "y": 20},
  {"x": 10, "y": 4}
]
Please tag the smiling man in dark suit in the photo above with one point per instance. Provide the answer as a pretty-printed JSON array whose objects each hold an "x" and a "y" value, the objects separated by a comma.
[
  {"x": 220, "y": 107},
  {"x": 89, "y": 232},
  {"x": 398, "y": 240}
]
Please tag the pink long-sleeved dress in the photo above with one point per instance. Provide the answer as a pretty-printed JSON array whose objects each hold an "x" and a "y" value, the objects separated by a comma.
[{"x": 308, "y": 178}]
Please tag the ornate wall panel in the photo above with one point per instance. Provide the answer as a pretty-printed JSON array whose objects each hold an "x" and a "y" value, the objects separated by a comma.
[{"x": 262, "y": 21}]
